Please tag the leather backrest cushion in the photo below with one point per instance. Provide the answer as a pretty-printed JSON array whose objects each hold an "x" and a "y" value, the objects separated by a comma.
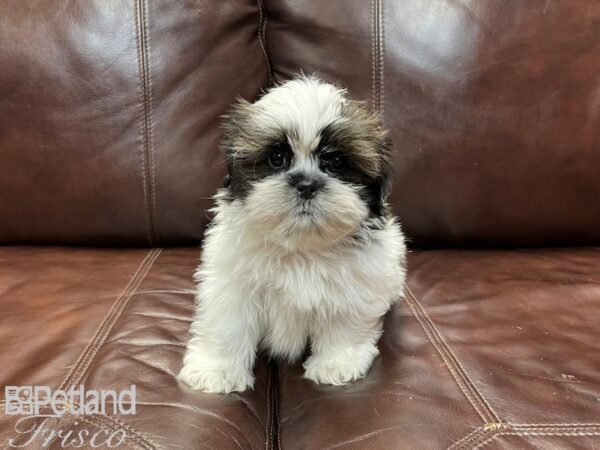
[
  {"x": 494, "y": 107},
  {"x": 109, "y": 115},
  {"x": 109, "y": 111}
]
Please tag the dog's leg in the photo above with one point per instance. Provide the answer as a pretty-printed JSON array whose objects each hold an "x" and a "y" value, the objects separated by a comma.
[
  {"x": 342, "y": 350},
  {"x": 225, "y": 332}
]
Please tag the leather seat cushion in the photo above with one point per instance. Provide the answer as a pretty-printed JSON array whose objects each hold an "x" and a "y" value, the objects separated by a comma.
[
  {"x": 493, "y": 348},
  {"x": 108, "y": 319}
]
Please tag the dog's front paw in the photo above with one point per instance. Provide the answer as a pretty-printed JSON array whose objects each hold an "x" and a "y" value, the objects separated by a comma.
[
  {"x": 216, "y": 380},
  {"x": 336, "y": 371}
]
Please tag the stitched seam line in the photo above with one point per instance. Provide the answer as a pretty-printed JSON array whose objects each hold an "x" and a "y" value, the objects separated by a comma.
[
  {"x": 583, "y": 432},
  {"x": 142, "y": 118},
  {"x": 88, "y": 354},
  {"x": 148, "y": 173},
  {"x": 464, "y": 373},
  {"x": 377, "y": 54},
  {"x": 557, "y": 425},
  {"x": 272, "y": 435},
  {"x": 516, "y": 433},
  {"x": 441, "y": 348},
  {"x": 262, "y": 38},
  {"x": 150, "y": 114},
  {"x": 381, "y": 58},
  {"x": 144, "y": 264},
  {"x": 486, "y": 441},
  {"x": 98, "y": 338},
  {"x": 455, "y": 368},
  {"x": 103, "y": 323},
  {"x": 80, "y": 374},
  {"x": 469, "y": 437},
  {"x": 269, "y": 416},
  {"x": 480, "y": 434},
  {"x": 374, "y": 85},
  {"x": 276, "y": 401},
  {"x": 85, "y": 359},
  {"x": 486, "y": 433},
  {"x": 79, "y": 370},
  {"x": 556, "y": 430},
  {"x": 481, "y": 441}
]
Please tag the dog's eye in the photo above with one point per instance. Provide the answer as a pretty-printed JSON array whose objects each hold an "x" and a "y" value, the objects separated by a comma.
[
  {"x": 278, "y": 159},
  {"x": 334, "y": 162}
]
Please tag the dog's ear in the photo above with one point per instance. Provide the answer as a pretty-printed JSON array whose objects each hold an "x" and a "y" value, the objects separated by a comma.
[
  {"x": 227, "y": 181},
  {"x": 233, "y": 126},
  {"x": 381, "y": 186}
]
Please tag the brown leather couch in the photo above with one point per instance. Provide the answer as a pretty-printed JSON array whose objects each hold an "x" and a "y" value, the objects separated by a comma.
[{"x": 109, "y": 113}]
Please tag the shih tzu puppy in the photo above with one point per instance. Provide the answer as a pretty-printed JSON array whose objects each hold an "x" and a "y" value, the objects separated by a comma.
[{"x": 303, "y": 248}]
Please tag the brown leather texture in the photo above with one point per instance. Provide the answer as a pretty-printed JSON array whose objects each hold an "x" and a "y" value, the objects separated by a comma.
[
  {"x": 490, "y": 349},
  {"x": 109, "y": 132},
  {"x": 109, "y": 115},
  {"x": 108, "y": 319},
  {"x": 493, "y": 107}
]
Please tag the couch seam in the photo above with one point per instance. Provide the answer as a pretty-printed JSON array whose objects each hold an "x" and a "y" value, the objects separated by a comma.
[
  {"x": 489, "y": 439},
  {"x": 276, "y": 397},
  {"x": 142, "y": 120},
  {"x": 581, "y": 431},
  {"x": 487, "y": 432},
  {"x": 85, "y": 359},
  {"x": 558, "y": 425},
  {"x": 262, "y": 38},
  {"x": 377, "y": 55},
  {"x": 269, "y": 417},
  {"x": 89, "y": 352},
  {"x": 146, "y": 120},
  {"x": 477, "y": 434},
  {"x": 469, "y": 436},
  {"x": 373, "y": 53},
  {"x": 150, "y": 109},
  {"x": 495, "y": 417},
  {"x": 461, "y": 377},
  {"x": 382, "y": 58},
  {"x": 102, "y": 333},
  {"x": 272, "y": 423},
  {"x": 534, "y": 433},
  {"x": 85, "y": 374},
  {"x": 101, "y": 326}
]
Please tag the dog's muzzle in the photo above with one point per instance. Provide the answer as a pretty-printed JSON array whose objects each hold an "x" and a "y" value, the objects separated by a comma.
[{"x": 307, "y": 186}]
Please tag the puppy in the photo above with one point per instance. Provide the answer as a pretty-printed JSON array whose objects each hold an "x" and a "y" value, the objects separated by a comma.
[{"x": 302, "y": 248}]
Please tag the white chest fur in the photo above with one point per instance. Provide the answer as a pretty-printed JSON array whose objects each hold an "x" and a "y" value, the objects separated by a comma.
[
  {"x": 255, "y": 293},
  {"x": 292, "y": 293}
]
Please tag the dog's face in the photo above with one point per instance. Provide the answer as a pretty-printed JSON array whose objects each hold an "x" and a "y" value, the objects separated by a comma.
[{"x": 309, "y": 165}]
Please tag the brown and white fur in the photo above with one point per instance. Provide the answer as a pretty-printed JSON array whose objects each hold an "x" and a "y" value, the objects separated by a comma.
[{"x": 303, "y": 248}]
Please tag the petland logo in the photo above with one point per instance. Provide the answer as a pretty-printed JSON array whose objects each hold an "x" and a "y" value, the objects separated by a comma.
[{"x": 40, "y": 407}]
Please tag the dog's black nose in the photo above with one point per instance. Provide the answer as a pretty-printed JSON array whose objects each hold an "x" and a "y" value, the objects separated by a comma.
[{"x": 307, "y": 188}]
